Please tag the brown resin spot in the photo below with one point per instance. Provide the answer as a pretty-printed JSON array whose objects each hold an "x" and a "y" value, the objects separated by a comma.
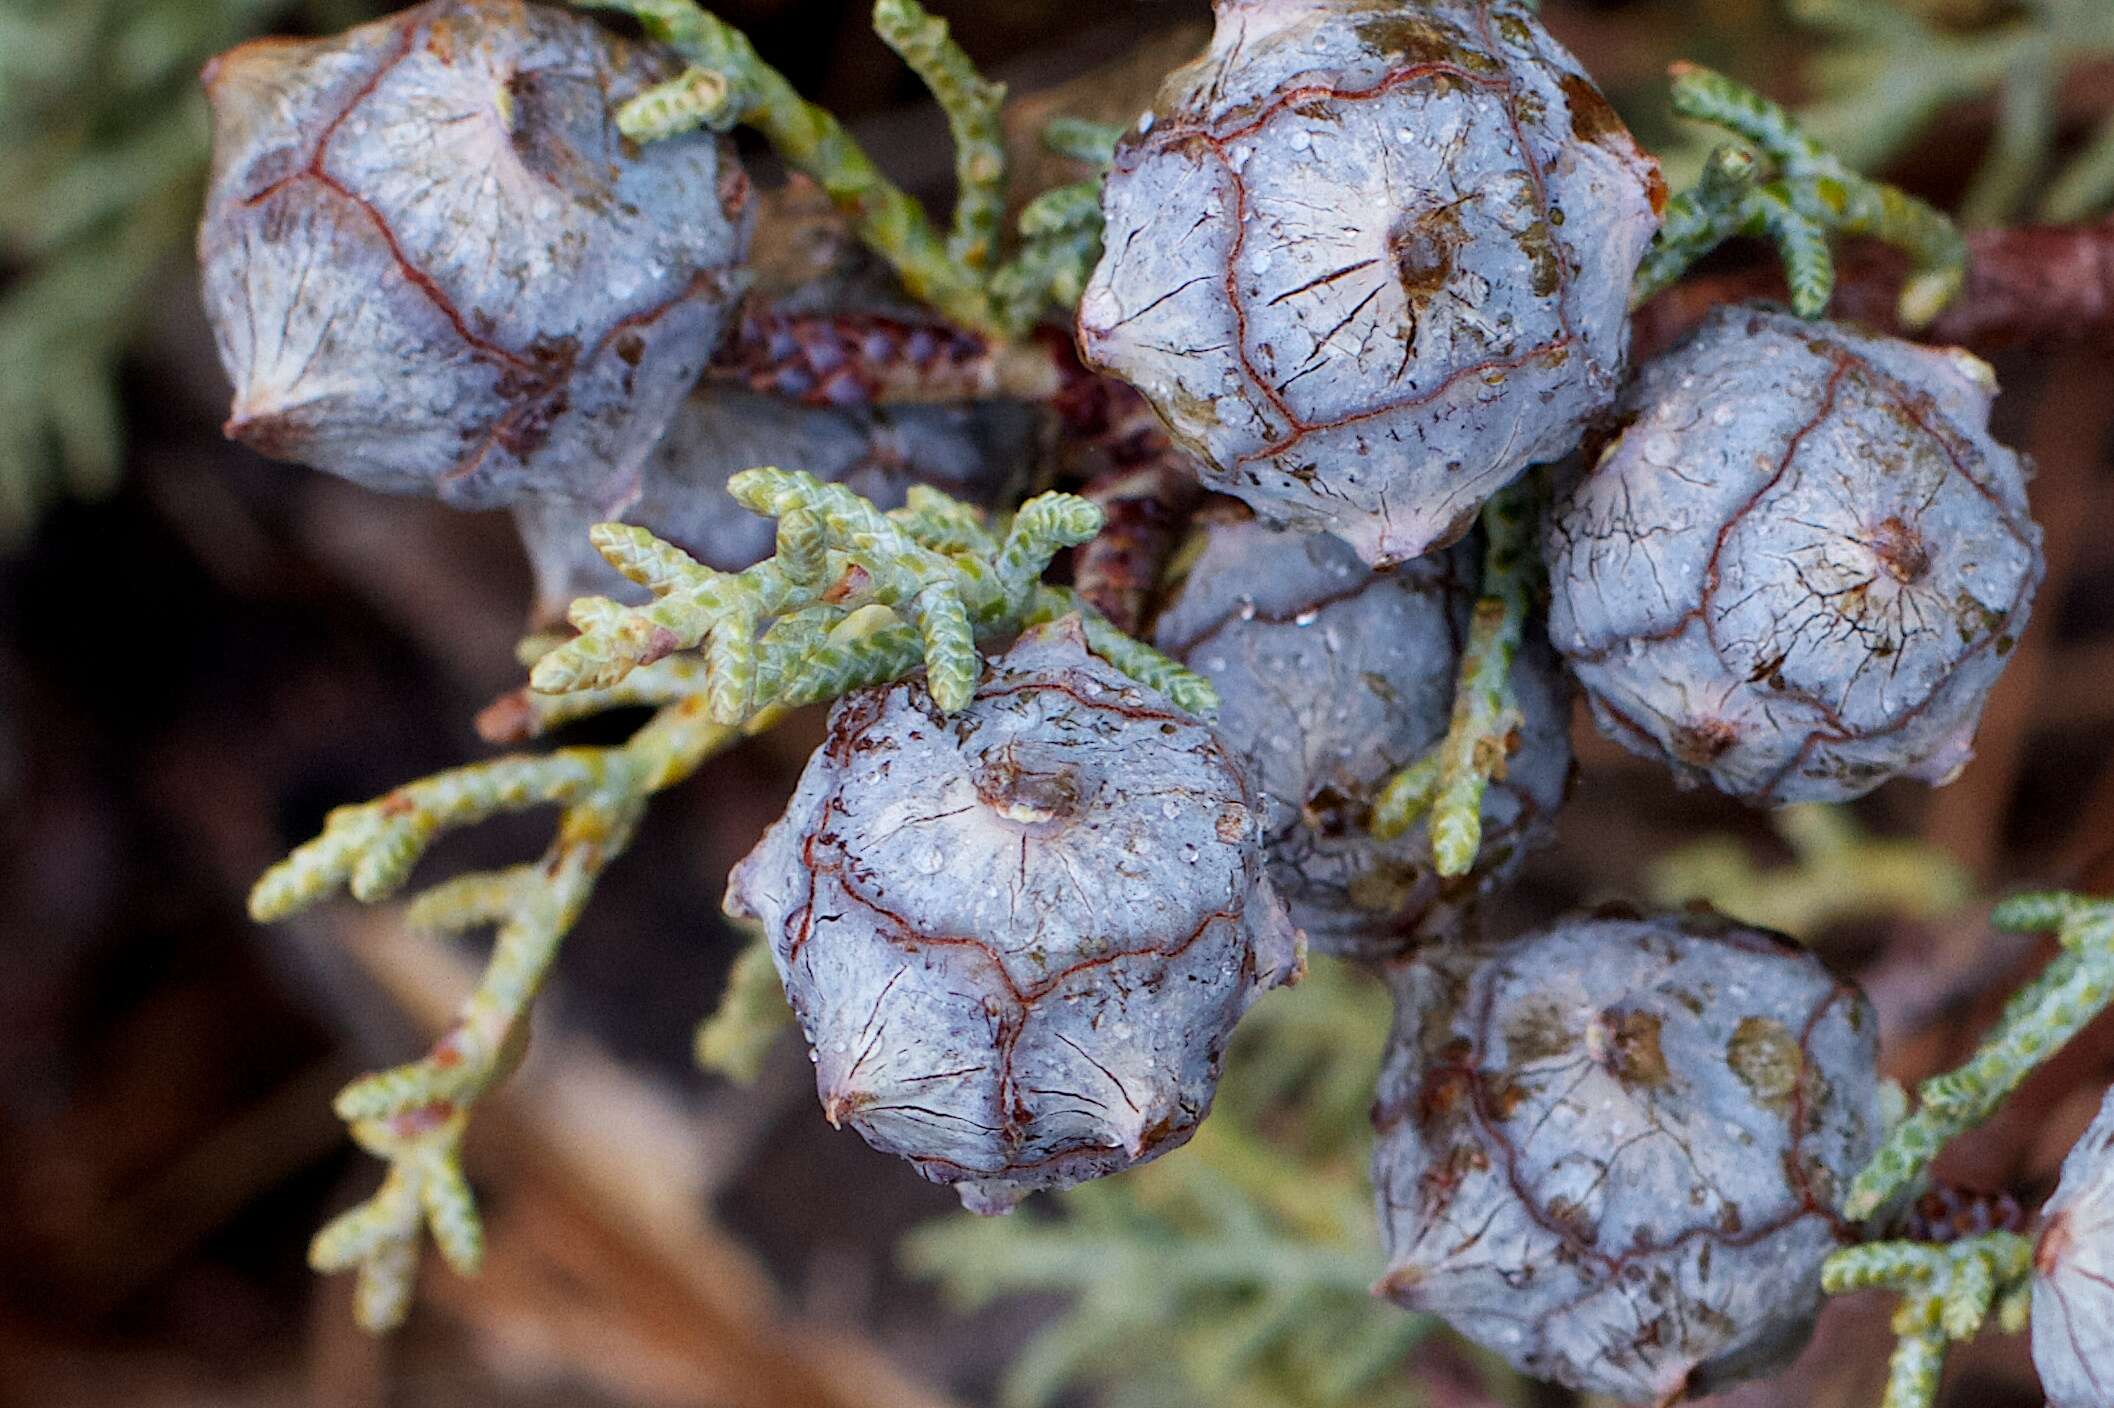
[
  {"x": 1573, "y": 1219},
  {"x": 1626, "y": 1045},
  {"x": 1593, "y": 119},
  {"x": 1900, "y": 551},
  {"x": 1976, "y": 618},
  {"x": 1401, "y": 1285},
  {"x": 1028, "y": 795},
  {"x": 1504, "y": 1095},
  {"x": 1538, "y": 1031},
  {"x": 1443, "y": 1092},
  {"x": 1701, "y": 742},
  {"x": 1418, "y": 39},
  {"x": 1423, "y": 250},
  {"x": 1766, "y": 1057},
  {"x": 1538, "y": 242}
]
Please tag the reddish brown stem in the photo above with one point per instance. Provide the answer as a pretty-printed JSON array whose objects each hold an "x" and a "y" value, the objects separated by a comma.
[
  {"x": 1148, "y": 509},
  {"x": 1143, "y": 483},
  {"x": 2038, "y": 284}
]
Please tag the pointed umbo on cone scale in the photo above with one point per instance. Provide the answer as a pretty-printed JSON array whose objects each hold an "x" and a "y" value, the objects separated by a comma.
[
  {"x": 433, "y": 265},
  {"x": 2073, "y": 1275},
  {"x": 1610, "y": 1151},
  {"x": 1018, "y": 937},
  {"x": 1800, "y": 568},
  {"x": 1332, "y": 678},
  {"x": 1369, "y": 262}
]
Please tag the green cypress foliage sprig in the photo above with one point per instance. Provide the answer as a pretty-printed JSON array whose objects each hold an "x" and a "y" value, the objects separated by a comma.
[
  {"x": 1448, "y": 784},
  {"x": 1948, "y": 1292},
  {"x": 2038, "y": 1021},
  {"x": 854, "y": 597},
  {"x": 414, "y": 1115},
  {"x": 1796, "y": 193},
  {"x": 959, "y": 273}
]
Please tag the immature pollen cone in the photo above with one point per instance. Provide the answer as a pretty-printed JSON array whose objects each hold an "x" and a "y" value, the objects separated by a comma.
[
  {"x": 1017, "y": 937},
  {"x": 1369, "y": 261},
  {"x": 1611, "y": 1150},
  {"x": 434, "y": 266}
]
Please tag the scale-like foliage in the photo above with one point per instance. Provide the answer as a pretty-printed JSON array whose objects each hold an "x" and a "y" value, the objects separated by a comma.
[
  {"x": 829, "y": 600},
  {"x": 2039, "y": 1020},
  {"x": 1948, "y": 1292},
  {"x": 1448, "y": 783},
  {"x": 852, "y": 597},
  {"x": 102, "y": 162},
  {"x": 1839, "y": 873},
  {"x": 1892, "y": 69},
  {"x": 1797, "y": 192}
]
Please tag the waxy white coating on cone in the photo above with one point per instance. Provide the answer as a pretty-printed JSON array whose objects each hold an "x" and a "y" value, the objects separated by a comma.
[
  {"x": 1332, "y": 678},
  {"x": 1018, "y": 937},
  {"x": 1800, "y": 568},
  {"x": 434, "y": 266},
  {"x": 1610, "y": 1151},
  {"x": 2073, "y": 1275},
  {"x": 1371, "y": 260}
]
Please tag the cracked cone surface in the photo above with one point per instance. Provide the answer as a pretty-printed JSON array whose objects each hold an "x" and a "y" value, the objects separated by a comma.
[
  {"x": 1018, "y": 937},
  {"x": 1331, "y": 679},
  {"x": 433, "y": 266},
  {"x": 1611, "y": 1150},
  {"x": 1801, "y": 567},
  {"x": 1370, "y": 262}
]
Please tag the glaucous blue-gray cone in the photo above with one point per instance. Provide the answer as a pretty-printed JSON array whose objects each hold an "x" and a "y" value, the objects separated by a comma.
[
  {"x": 1017, "y": 937},
  {"x": 1799, "y": 569},
  {"x": 983, "y": 453},
  {"x": 2073, "y": 1275},
  {"x": 1331, "y": 678},
  {"x": 1370, "y": 261},
  {"x": 433, "y": 265},
  {"x": 1610, "y": 1151}
]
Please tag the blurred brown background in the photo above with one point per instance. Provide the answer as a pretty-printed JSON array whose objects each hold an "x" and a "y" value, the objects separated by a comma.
[{"x": 194, "y": 670}]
